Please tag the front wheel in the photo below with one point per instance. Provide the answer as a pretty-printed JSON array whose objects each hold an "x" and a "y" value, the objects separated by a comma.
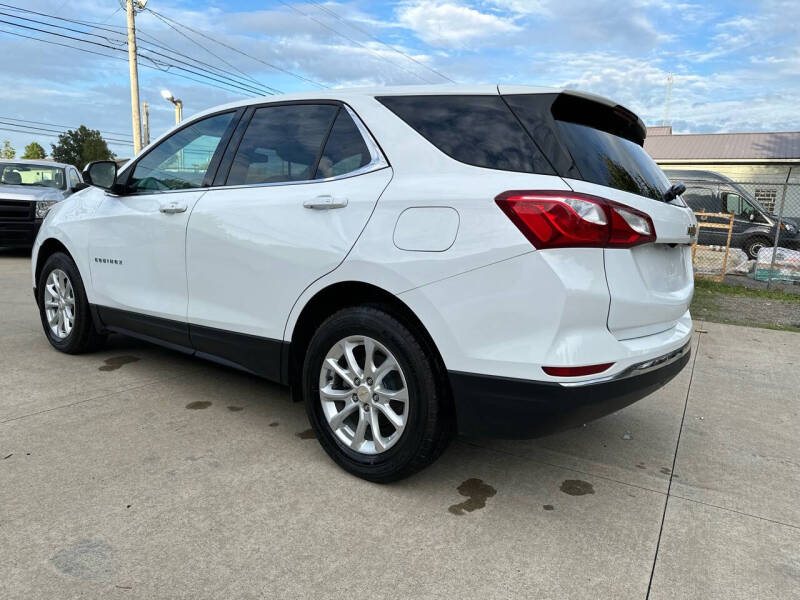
[
  {"x": 374, "y": 396},
  {"x": 64, "y": 308},
  {"x": 754, "y": 245}
]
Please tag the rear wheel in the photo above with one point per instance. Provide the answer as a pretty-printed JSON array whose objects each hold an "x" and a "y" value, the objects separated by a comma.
[
  {"x": 753, "y": 245},
  {"x": 64, "y": 308},
  {"x": 374, "y": 396}
]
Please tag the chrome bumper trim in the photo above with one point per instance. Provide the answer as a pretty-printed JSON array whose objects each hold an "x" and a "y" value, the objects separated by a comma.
[{"x": 637, "y": 369}]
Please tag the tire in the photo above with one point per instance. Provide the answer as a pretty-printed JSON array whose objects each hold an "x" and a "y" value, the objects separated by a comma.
[
  {"x": 79, "y": 335},
  {"x": 753, "y": 245},
  {"x": 427, "y": 420}
]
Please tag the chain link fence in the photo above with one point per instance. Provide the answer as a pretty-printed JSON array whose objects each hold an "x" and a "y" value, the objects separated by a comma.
[{"x": 748, "y": 233}]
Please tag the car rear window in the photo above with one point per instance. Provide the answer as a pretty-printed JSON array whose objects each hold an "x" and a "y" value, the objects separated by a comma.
[
  {"x": 476, "y": 130},
  {"x": 603, "y": 142}
]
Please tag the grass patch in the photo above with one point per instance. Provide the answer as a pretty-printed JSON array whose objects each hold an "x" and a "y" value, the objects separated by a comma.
[
  {"x": 704, "y": 287},
  {"x": 735, "y": 305}
]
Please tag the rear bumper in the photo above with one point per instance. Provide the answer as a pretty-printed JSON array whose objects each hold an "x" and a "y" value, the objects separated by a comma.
[
  {"x": 18, "y": 234},
  {"x": 501, "y": 407}
]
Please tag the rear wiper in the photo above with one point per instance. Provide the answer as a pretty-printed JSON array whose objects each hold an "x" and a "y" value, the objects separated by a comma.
[{"x": 675, "y": 190}]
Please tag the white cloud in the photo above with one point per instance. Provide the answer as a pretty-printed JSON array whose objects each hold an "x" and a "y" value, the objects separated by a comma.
[{"x": 453, "y": 25}]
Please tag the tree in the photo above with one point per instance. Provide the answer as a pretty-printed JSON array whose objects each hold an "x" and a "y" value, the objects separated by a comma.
[
  {"x": 7, "y": 151},
  {"x": 81, "y": 146},
  {"x": 34, "y": 150}
]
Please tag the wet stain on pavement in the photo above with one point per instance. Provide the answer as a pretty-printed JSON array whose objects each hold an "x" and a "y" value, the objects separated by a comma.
[
  {"x": 548, "y": 506},
  {"x": 274, "y": 424},
  {"x": 576, "y": 487},
  {"x": 641, "y": 465},
  {"x": 308, "y": 434},
  {"x": 477, "y": 492},
  {"x": 666, "y": 471},
  {"x": 198, "y": 405},
  {"x": 115, "y": 362},
  {"x": 86, "y": 559},
  {"x": 235, "y": 408}
]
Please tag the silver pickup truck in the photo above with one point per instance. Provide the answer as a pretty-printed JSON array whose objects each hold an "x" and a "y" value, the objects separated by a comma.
[{"x": 28, "y": 188}]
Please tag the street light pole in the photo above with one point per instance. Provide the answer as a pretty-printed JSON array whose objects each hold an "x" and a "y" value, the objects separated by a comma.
[
  {"x": 167, "y": 95},
  {"x": 134, "y": 75}
]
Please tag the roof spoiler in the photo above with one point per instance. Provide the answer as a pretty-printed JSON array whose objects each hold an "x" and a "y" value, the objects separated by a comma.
[{"x": 599, "y": 113}]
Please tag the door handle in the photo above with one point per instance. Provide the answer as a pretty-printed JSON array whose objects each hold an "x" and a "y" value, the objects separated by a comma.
[
  {"x": 325, "y": 202},
  {"x": 172, "y": 208}
]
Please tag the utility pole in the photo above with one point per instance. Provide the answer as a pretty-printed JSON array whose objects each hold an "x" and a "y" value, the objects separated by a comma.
[
  {"x": 145, "y": 124},
  {"x": 668, "y": 100},
  {"x": 134, "y": 73}
]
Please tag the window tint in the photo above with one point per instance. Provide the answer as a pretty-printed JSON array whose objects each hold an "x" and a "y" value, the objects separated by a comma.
[
  {"x": 345, "y": 150},
  {"x": 700, "y": 200},
  {"x": 281, "y": 144},
  {"x": 600, "y": 141},
  {"x": 180, "y": 161},
  {"x": 477, "y": 130}
]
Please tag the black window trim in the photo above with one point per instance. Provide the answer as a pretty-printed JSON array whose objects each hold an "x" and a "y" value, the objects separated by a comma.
[{"x": 377, "y": 161}]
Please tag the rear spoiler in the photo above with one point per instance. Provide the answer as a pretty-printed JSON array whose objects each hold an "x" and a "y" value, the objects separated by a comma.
[{"x": 599, "y": 113}]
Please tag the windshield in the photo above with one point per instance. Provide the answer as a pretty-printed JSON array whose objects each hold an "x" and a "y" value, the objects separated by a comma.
[{"x": 35, "y": 175}]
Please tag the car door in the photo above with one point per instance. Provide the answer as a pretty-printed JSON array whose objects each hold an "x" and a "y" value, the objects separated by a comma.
[
  {"x": 138, "y": 238},
  {"x": 301, "y": 185}
]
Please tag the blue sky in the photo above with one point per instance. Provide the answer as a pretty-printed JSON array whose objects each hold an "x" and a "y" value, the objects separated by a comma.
[{"x": 736, "y": 65}]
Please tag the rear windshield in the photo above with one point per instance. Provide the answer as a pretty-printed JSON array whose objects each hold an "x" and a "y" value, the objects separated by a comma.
[
  {"x": 601, "y": 142},
  {"x": 476, "y": 130}
]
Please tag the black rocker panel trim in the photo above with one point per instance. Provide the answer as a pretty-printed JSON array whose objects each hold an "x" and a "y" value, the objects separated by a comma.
[{"x": 257, "y": 355}]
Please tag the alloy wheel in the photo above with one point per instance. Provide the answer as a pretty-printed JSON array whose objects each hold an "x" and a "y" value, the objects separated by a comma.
[
  {"x": 59, "y": 303},
  {"x": 364, "y": 394}
]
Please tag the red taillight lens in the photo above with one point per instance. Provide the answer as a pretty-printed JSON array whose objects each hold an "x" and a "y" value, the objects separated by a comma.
[
  {"x": 572, "y": 220},
  {"x": 576, "y": 371}
]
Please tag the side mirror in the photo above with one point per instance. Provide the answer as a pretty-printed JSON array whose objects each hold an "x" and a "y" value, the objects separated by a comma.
[
  {"x": 752, "y": 216},
  {"x": 101, "y": 173},
  {"x": 675, "y": 190}
]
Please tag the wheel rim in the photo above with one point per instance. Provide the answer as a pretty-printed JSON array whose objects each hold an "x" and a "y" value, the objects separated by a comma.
[
  {"x": 364, "y": 395},
  {"x": 59, "y": 303},
  {"x": 755, "y": 247}
]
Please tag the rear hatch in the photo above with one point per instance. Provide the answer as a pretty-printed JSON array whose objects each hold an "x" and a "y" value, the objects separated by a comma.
[{"x": 596, "y": 147}]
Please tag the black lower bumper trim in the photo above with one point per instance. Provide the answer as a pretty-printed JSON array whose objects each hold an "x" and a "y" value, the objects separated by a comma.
[{"x": 500, "y": 407}]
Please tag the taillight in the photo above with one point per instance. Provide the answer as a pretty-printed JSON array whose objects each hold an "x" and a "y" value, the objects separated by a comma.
[{"x": 573, "y": 220}]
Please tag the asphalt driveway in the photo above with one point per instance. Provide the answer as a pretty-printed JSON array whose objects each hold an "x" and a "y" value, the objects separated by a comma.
[{"x": 140, "y": 473}]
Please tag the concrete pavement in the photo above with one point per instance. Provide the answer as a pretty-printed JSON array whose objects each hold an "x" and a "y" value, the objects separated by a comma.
[{"x": 140, "y": 473}]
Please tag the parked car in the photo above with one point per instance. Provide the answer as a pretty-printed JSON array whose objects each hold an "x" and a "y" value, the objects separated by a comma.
[
  {"x": 28, "y": 189},
  {"x": 411, "y": 261},
  {"x": 754, "y": 226}
]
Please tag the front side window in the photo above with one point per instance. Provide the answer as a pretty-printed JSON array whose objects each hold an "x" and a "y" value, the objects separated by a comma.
[
  {"x": 281, "y": 144},
  {"x": 73, "y": 178},
  {"x": 345, "y": 150},
  {"x": 32, "y": 175},
  {"x": 181, "y": 161}
]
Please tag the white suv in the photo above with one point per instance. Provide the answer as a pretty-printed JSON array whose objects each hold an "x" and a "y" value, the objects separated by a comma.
[{"x": 414, "y": 262}]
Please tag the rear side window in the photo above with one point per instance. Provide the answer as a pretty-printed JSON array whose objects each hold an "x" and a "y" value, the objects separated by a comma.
[
  {"x": 345, "y": 150},
  {"x": 476, "y": 130},
  {"x": 603, "y": 143},
  {"x": 281, "y": 144}
]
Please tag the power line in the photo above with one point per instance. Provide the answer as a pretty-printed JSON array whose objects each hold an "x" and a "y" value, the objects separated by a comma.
[
  {"x": 201, "y": 82},
  {"x": 270, "y": 65},
  {"x": 51, "y": 133},
  {"x": 57, "y": 125},
  {"x": 219, "y": 58},
  {"x": 156, "y": 62},
  {"x": 256, "y": 90},
  {"x": 380, "y": 41},
  {"x": 353, "y": 41}
]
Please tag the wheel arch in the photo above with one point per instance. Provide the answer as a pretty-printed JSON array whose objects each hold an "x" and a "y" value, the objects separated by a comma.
[
  {"x": 47, "y": 248},
  {"x": 345, "y": 294}
]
